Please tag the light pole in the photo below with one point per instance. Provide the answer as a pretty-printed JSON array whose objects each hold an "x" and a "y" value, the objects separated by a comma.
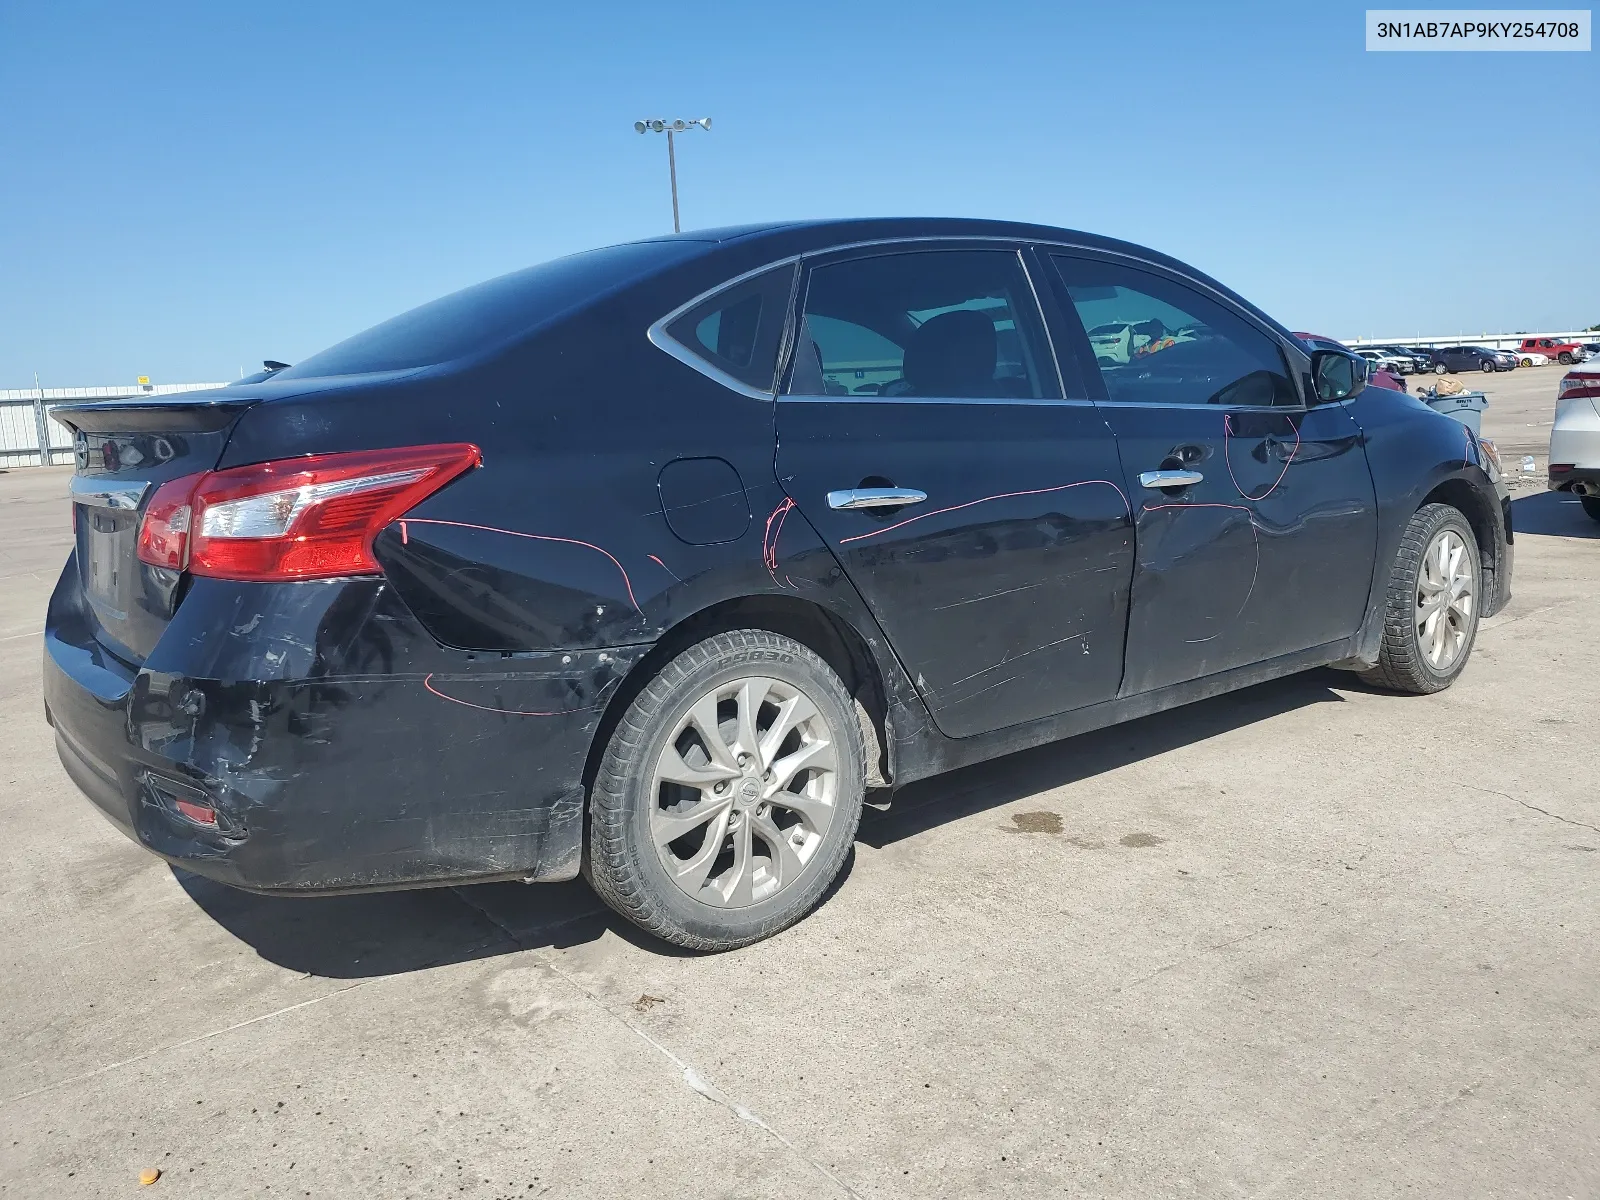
[{"x": 669, "y": 128}]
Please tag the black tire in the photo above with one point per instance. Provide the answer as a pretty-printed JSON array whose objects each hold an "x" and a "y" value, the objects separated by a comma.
[
  {"x": 1402, "y": 667},
  {"x": 622, "y": 863},
  {"x": 1565, "y": 358},
  {"x": 1441, "y": 369},
  {"x": 1591, "y": 505},
  {"x": 1489, "y": 364}
]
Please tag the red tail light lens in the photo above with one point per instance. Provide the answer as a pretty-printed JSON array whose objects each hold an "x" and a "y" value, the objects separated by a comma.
[
  {"x": 164, "y": 532},
  {"x": 301, "y": 518},
  {"x": 1579, "y": 383}
]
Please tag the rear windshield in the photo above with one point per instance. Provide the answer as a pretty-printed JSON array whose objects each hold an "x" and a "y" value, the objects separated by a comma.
[{"x": 486, "y": 314}]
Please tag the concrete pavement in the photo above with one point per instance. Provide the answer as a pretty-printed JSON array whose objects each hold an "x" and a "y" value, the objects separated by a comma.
[{"x": 1306, "y": 940}]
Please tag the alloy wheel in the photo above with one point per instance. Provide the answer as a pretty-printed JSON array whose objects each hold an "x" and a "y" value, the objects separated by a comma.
[
  {"x": 1446, "y": 600},
  {"x": 744, "y": 792}
]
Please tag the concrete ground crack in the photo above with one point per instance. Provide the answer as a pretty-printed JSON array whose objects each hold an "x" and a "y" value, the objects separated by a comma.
[
  {"x": 201, "y": 1037},
  {"x": 1533, "y": 807},
  {"x": 698, "y": 1082}
]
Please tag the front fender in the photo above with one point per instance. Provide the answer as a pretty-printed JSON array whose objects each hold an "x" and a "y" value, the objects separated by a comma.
[{"x": 1418, "y": 456}]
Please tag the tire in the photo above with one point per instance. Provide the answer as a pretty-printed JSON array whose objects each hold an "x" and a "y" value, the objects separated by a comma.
[
  {"x": 1489, "y": 365},
  {"x": 1410, "y": 660},
  {"x": 1565, "y": 358},
  {"x": 1441, "y": 369},
  {"x": 746, "y": 888},
  {"x": 1591, "y": 505}
]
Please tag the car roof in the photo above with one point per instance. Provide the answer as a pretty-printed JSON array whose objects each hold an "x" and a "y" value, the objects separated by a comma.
[{"x": 799, "y": 237}]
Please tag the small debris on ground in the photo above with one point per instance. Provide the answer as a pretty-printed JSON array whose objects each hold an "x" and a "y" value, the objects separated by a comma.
[
  {"x": 149, "y": 1175},
  {"x": 646, "y": 1002}
]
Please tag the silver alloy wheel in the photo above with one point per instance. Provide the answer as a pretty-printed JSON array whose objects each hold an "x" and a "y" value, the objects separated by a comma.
[
  {"x": 1445, "y": 599},
  {"x": 744, "y": 792}
]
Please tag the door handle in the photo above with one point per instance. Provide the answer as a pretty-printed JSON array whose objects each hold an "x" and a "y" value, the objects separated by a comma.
[
  {"x": 1170, "y": 479},
  {"x": 875, "y": 497}
]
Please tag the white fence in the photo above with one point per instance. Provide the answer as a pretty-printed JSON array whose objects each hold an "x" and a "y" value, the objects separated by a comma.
[
  {"x": 1494, "y": 341},
  {"x": 30, "y": 436}
]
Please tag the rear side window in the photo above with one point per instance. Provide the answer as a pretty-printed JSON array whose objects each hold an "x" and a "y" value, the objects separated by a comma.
[
  {"x": 736, "y": 331},
  {"x": 484, "y": 315},
  {"x": 1157, "y": 341}
]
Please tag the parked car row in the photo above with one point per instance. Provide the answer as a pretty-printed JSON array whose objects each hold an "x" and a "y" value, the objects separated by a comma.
[{"x": 1441, "y": 360}]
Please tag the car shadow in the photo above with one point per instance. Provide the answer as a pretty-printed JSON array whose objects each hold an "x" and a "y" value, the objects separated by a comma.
[
  {"x": 1554, "y": 514},
  {"x": 927, "y": 803},
  {"x": 393, "y": 933}
]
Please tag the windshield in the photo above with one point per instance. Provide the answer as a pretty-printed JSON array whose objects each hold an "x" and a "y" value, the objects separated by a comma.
[{"x": 486, "y": 314}]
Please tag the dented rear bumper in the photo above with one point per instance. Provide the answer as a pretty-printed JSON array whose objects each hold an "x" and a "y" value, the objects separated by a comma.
[{"x": 339, "y": 747}]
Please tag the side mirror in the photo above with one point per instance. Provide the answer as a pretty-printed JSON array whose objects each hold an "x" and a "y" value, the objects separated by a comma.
[{"x": 1337, "y": 376}]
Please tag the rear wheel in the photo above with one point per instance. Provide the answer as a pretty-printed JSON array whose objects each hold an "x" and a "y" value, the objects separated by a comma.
[
  {"x": 1431, "y": 617},
  {"x": 729, "y": 794},
  {"x": 1591, "y": 505}
]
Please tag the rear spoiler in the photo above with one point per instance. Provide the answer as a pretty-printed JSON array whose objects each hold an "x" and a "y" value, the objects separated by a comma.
[{"x": 202, "y": 413}]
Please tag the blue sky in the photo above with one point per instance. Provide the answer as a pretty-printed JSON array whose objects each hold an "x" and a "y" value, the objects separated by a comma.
[{"x": 192, "y": 188}]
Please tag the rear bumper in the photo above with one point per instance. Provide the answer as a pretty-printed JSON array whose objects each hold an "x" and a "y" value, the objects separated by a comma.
[
  {"x": 1587, "y": 480},
  {"x": 339, "y": 746}
]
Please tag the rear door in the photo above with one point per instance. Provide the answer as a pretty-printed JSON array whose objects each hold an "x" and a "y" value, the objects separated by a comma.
[
  {"x": 1255, "y": 515},
  {"x": 976, "y": 504}
]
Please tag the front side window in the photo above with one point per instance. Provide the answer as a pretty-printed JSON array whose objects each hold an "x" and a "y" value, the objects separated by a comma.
[
  {"x": 1157, "y": 341},
  {"x": 951, "y": 324},
  {"x": 737, "y": 330}
]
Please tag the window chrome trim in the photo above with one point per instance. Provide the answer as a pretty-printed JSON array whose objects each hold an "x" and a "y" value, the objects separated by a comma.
[
  {"x": 657, "y": 333},
  {"x": 664, "y": 341},
  {"x": 869, "y": 398},
  {"x": 1265, "y": 408}
]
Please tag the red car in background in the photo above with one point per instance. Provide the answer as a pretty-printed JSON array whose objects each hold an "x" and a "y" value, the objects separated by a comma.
[{"x": 1378, "y": 376}]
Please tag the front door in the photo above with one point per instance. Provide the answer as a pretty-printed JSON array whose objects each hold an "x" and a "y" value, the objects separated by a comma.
[
  {"x": 1256, "y": 517},
  {"x": 923, "y": 433}
]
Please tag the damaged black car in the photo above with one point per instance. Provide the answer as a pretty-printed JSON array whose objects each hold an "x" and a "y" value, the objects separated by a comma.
[{"x": 651, "y": 562}]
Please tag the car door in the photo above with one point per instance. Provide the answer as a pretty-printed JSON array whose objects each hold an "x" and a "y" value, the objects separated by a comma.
[
  {"x": 976, "y": 504},
  {"x": 1255, "y": 516}
]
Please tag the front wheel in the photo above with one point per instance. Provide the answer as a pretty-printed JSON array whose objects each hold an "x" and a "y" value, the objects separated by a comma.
[
  {"x": 1431, "y": 608},
  {"x": 1441, "y": 369},
  {"x": 1488, "y": 365},
  {"x": 1591, "y": 505},
  {"x": 729, "y": 794},
  {"x": 1564, "y": 358}
]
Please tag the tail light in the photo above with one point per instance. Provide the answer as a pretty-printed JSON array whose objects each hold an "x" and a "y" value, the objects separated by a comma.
[
  {"x": 1585, "y": 383},
  {"x": 299, "y": 518}
]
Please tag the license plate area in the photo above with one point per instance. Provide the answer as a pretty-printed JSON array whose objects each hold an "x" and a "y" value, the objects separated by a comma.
[{"x": 108, "y": 554}]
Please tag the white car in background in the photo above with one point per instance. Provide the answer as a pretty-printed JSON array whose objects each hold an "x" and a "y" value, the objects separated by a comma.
[
  {"x": 1575, "y": 437},
  {"x": 1392, "y": 363},
  {"x": 1121, "y": 342},
  {"x": 1531, "y": 358}
]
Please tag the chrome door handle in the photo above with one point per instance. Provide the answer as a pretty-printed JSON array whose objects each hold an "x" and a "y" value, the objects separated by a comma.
[
  {"x": 1170, "y": 479},
  {"x": 875, "y": 497}
]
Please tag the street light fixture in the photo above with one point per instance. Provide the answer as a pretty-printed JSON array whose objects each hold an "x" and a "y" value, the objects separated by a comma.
[{"x": 669, "y": 128}]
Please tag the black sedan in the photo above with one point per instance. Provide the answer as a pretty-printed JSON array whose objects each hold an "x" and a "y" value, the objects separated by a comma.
[
  {"x": 1470, "y": 358},
  {"x": 649, "y": 562}
]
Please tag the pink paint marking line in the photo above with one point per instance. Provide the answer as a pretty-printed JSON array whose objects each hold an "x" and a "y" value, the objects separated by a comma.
[
  {"x": 984, "y": 500},
  {"x": 427, "y": 682},
  {"x": 1255, "y": 537},
  {"x": 541, "y": 537},
  {"x": 1227, "y": 431}
]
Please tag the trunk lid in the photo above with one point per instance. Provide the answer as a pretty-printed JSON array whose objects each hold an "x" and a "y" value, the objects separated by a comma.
[{"x": 125, "y": 450}]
